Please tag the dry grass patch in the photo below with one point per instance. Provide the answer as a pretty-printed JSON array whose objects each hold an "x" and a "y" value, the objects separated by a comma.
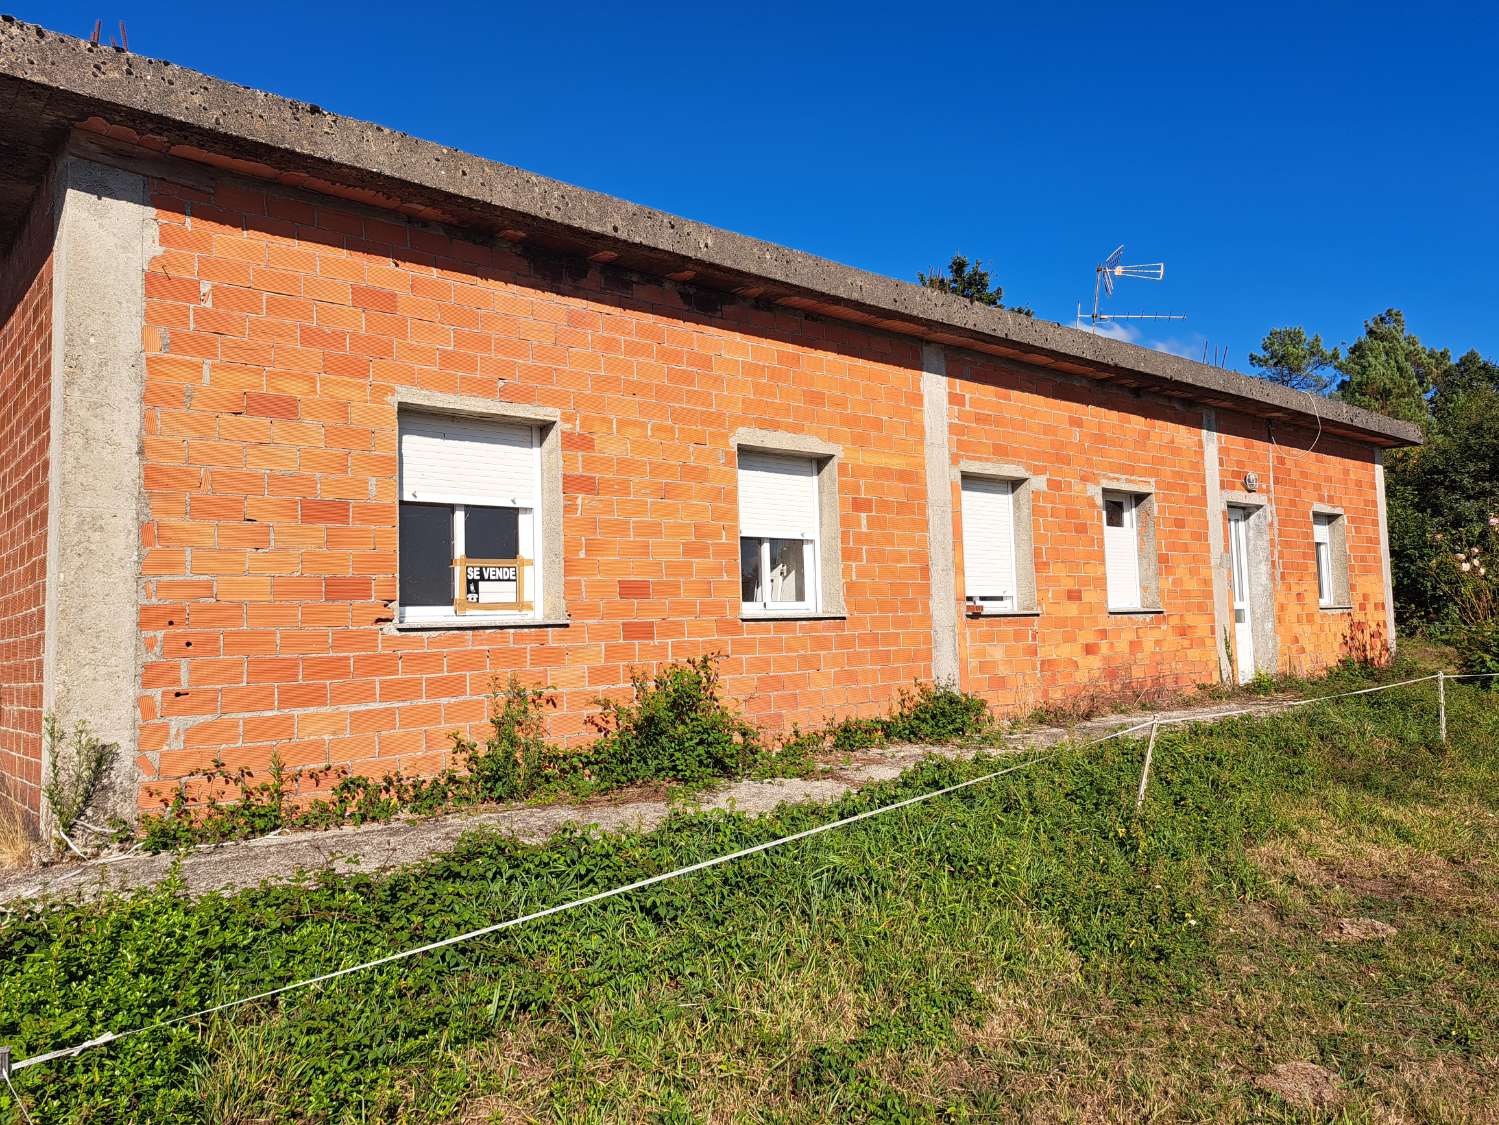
[{"x": 17, "y": 838}]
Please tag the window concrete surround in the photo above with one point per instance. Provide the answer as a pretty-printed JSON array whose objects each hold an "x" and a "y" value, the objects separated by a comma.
[
  {"x": 829, "y": 539},
  {"x": 553, "y": 608},
  {"x": 1145, "y": 525},
  {"x": 93, "y": 651},
  {"x": 1023, "y": 486},
  {"x": 1337, "y": 551}
]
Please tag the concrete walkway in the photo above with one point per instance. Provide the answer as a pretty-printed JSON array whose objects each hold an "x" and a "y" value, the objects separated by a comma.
[{"x": 374, "y": 848}]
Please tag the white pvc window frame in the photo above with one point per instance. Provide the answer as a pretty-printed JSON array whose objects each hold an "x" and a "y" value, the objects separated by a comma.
[{"x": 766, "y": 603}]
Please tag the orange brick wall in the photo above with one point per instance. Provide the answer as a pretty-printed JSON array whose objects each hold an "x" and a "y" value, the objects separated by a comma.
[
  {"x": 1297, "y": 469},
  {"x": 1075, "y": 435},
  {"x": 279, "y": 327},
  {"x": 25, "y": 417}
]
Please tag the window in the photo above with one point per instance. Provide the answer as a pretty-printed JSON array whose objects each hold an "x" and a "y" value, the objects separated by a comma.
[
  {"x": 778, "y": 531},
  {"x": 469, "y": 490},
  {"x": 989, "y": 571},
  {"x": 1322, "y": 539},
  {"x": 1330, "y": 541},
  {"x": 1121, "y": 549}
]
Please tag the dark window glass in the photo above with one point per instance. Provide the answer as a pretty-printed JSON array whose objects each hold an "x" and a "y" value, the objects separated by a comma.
[
  {"x": 1113, "y": 511},
  {"x": 491, "y": 533},
  {"x": 749, "y": 570},
  {"x": 426, "y": 558}
]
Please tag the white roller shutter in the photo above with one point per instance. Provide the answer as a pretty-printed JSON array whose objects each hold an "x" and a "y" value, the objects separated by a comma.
[
  {"x": 1121, "y": 551},
  {"x": 777, "y": 496},
  {"x": 448, "y": 460},
  {"x": 1321, "y": 529},
  {"x": 988, "y": 538}
]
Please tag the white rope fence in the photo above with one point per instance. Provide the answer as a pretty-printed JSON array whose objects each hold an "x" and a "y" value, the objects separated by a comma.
[{"x": 8, "y": 1067}]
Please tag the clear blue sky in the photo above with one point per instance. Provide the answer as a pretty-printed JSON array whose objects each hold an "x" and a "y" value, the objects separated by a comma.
[{"x": 1308, "y": 164}]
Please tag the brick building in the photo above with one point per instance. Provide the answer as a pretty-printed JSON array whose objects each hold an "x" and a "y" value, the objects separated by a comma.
[{"x": 268, "y": 372}]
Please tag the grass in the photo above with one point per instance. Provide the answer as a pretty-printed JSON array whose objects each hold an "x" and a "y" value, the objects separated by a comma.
[
  {"x": 1023, "y": 949},
  {"x": 16, "y": 836}
]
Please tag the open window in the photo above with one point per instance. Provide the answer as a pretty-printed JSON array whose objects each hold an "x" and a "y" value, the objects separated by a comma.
[
  {"x": 468, "y": 535},
  {"x": 778, "y": 533}
]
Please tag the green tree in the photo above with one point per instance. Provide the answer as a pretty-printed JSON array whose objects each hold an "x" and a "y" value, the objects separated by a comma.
[
  {"x": 1442, "y": 494},
  {"x": 970, "y": 282},
  {"x": 1455, "y": 382},
  {"x": 1288, "y": 357},
  {"x": 1388, "y": 370}
]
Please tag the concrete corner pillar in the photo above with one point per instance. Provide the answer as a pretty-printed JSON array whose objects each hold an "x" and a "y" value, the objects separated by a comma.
[
  {"x": 92, "y": 654},
  {"x": 939, "y": 516},
  {"x": 1384, "y": 550},
  {"x": 1222, "y": 610}
]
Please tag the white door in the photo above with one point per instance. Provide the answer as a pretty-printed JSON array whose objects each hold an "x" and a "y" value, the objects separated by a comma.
[{"x": 1238, "y": 552}]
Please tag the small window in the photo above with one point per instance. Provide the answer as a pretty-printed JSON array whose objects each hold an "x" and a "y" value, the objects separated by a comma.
[
  {"x": 1329, "y": 541},
  {"x": 1121, "y": 548},
  {"x": 778, "y": 529},
  {"x": 467, "y": 538},
  {"x": 989, "y": 570}
]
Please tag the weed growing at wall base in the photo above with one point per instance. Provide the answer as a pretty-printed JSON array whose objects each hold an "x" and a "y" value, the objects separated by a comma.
[
  {"x": 676, "y": 728},
  {"x": 919, "y": 966}
]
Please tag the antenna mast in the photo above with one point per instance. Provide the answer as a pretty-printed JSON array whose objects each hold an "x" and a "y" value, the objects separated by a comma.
[{"x": 1103, "y": 285}]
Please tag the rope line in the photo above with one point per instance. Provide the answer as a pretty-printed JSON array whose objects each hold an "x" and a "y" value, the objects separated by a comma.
[
  {"x": 15, "y": 1097},
  {"x": 640, "y": 884}
]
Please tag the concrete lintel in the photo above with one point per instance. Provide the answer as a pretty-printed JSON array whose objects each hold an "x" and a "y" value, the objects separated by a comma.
[
  {"x": 93, "y": 652},
  {"x": 781, "y": 441},
  {"x": 472, "y": 405},
  {"x": 998, "y": 470},
  {"x": 1138, "y": 486},
  {"x": 1327, "y": 510},
  {"x": 1244, "y": 499},
  {"x": 942, "y": 584}
]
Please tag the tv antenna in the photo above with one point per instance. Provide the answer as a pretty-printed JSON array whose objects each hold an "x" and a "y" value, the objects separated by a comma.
[{"x": 1103, "y": 286}]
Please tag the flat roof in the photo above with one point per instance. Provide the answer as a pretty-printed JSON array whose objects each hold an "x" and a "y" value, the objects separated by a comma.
[{"x": 51, "y": 83}]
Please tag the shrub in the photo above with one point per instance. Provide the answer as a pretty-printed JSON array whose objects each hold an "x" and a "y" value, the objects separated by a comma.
[
  {"x": 1475, "y": 596},
  {"x": 857, "y": 734},
  {"x": 935, "y": 713},
  {"x": 675, "y": 728},
  {"x": 511, "y": 761}
]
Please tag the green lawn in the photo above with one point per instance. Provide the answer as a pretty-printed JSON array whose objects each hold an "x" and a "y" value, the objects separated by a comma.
[{"x": 1026, "y": 948}]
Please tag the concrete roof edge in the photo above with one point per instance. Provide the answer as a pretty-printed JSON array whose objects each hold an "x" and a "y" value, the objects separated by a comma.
[{"x": 185, "y": 104}]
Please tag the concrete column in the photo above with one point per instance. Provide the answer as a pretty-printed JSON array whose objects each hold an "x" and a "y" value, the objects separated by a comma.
[
  {"x": 92, "y": 654},
  {"x": 1222, "y": 610},
  {"x": 1384, "y": 550},
  {"x": 939, "y": 514}
]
